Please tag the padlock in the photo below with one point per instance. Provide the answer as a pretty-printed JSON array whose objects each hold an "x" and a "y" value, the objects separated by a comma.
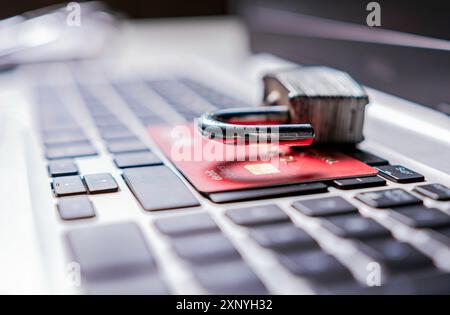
[
  {"x": 317, "y": 104},
  {"x": 328, "y": 99}
]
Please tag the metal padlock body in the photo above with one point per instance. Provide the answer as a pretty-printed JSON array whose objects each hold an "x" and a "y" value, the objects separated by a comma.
[{"x": 329, "y": 99}]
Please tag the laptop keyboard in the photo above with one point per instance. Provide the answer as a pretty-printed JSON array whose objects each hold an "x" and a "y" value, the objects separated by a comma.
[{"x": 302, "y": 237}]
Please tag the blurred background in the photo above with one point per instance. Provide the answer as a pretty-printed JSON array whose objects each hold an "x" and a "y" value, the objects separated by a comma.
[
  {"x": 133, "y": 8},
  {"x": 408, "y": 55},
  {"x": 428, "y": 18}
]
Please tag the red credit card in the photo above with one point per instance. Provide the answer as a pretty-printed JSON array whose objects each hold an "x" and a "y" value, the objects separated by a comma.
[{"x": 213, "y": 166}]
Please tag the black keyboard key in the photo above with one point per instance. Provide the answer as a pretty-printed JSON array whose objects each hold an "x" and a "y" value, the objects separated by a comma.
[
  {"x": 438, "y": 283},
  {"x": 143, "y": 114},
  {"x": 395, "y": 255},
  {"x": 324, "y": 206},
  {"x": 444, "y": 231},
  {"x": 388, "y": 198},
  {"x": 48, "y": 145},
  {"x": 63, "y": 137},
  {"x": 205, "y": 248},
  {"x": 419, "y": 216},
  {"x": 131, "y": 138},
  {"x": 368, "y": 158},
  {"x": 105, "y": 114},
  {"x": 111, "y": 251},
  {"x": 442, "y": 234},
  {"x": 186, "y": 224},
  {"x": 400, "y": 174},
  {"x": 70, "y": 151},
  {"x": 141, "y": 284},
  {"x": 54, "y": 128},
  {"x": 75, "y": 207},
  {"x": 434, "y": 191},
  {"x": 232, "y": 277},
  {"x": 263, "y": 193},
  {"x": 106, "y": 121},
  {"x": 359, "y": 182},
  {"x": 115, "y": 132},
  {"x": 355, "y": 226},
  {"x": 126, "y": 145},
  {"x": 100, "y": 183},
  {"x": 68, "y": 185},
  {"x": 62, "y": 168},
  {"x": 136, "y": 159},
  {"x": 158, "y": 188},
  {"x": 118, "y": 127},
  {"x": 84, "y": 142},
  {"x": 430, "y": 284},
  {"x": 282, "y": 237},
  {"x": 257, "y": 215},
  {"x": 149, "y": 121},
  {"x": 315, "y": 265}
]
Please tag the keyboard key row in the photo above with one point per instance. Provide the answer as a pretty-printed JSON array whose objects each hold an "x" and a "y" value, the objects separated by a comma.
[
  {"x": 376, "y": 241},
  {"x": 92, "y": 183},
  {"x": 61, "y": 136},
  {"x": 129, "y": 151},
  {"x": 214, "y": 97},
  {"x": 213, "y": 259},
  {"x": 188, "y": 104},
  {"x": 338, "y": 218},
  {"x": 294, "y": 248},
  {"x": 299, "y": 253},
  {"x": 142, "y": 107}
]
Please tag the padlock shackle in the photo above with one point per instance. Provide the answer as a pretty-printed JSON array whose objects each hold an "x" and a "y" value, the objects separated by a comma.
[{"x": 256, "y": 124}]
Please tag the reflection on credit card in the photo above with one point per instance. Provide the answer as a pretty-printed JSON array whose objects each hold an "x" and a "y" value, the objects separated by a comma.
[{"x": 212, "y": 166}]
